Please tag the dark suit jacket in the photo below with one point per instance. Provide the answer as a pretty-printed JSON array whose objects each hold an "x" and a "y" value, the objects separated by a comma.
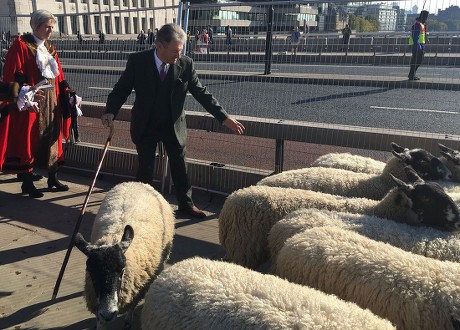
[{"x": 139, "y": 75}]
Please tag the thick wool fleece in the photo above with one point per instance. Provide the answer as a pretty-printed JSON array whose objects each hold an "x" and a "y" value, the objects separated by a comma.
[
  {"x": 204, "y": 294},
  {"x": 248, "y": 215},
  {"x": 152, "y": 218},
  {"x": 349, "y": 162},
  {"x": 412, "y": 291},
  {"x": 422, "y": 240},
  {"x": 340, "y": 182}
]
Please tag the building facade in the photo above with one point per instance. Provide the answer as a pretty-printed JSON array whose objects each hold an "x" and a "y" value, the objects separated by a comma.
[{"x": 91, "y": 16}]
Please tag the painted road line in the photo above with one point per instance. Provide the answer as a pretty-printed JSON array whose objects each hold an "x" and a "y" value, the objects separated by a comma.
[{"x": 420, "y": 110}]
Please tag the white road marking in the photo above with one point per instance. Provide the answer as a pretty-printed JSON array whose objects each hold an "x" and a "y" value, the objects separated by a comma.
[
  {"x": 420, "y": 110},
  {"x": 109, "y": 89}
]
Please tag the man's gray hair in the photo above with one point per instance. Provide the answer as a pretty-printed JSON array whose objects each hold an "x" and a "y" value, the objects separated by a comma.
[
  {"x": 39, "y": 17},
  {"x": 171, "y": 32}
]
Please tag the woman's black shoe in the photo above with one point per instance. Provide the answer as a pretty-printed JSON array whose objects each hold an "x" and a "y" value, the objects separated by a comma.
[
  {"x": 28, "y": 187},
  {"x": 35, "y": 176},
  {"x": 54, "y": 182}
]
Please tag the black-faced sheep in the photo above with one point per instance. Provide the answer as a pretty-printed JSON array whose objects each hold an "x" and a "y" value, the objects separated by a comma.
[
  {"x": 412, "y": 291},
  {"x": 451, "y": 158},
  {"x": 203, "y": 294},
  {"x": 422, "y": 240},
  {"x": 351, "y": 184},
  {"x": 130, "y": 241},
  {"x": 248, "y": 214}
]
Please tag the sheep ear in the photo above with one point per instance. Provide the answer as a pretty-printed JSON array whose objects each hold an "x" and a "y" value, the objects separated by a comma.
[
  {"x": 413, "y": 176},
  {"x": 397, "y": 148},
  {"x": 127, "y": 238},
  {"x": 82, "y": 244},
  {"x": 401, "y": 156},
  {"x": 447, "y": 155},
  {"x": 444, "y": 148},
  {"x": 400, "y": 183}
]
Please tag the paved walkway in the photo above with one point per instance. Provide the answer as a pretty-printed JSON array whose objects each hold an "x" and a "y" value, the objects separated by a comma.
[{"x": 34, "y": 239}]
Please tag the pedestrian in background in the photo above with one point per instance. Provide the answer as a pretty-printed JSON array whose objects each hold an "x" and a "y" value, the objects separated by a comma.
[
  {"x": 346, "y": 33},
  {"x": 189, "y": 43},
  {"x": 31, "y": 133},
  {"x": 79, "y": 37},
  {"x": 141, "y": 38},
  {"x": 228, "y": 37},
  {"x": 101, "y": 37},
  {"x": 210, "y": 37},
  {"x": 161, "y": 78},
  {"x": 295, "y": 40},
  {"x": 204, "y": 42},
  {"x": 417, "y": 41},
  {"x": 101, "y": 40},
  {"x": 197, "y": 41},
  {"x": 150, "y": 37}
]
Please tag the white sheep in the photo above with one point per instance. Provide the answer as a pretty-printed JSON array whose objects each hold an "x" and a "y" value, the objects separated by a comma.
[
  {"x": 412, "y": 291},
  {"x": 203, "y": 294},
  {"x": 130, "y": 241},
  {"x": 248, "y": 214},
  {"x": 350, "y": 162},
  {"x": 352, "y": 184},
  {"x": 422, "y": 240}
]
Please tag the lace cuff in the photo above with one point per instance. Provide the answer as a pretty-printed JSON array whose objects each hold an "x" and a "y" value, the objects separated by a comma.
[
  {"x": 76, "y": 100},
  {"x": 25, "y": 98}
]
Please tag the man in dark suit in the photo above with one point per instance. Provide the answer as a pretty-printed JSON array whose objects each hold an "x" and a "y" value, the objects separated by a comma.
[{"x": 161, "y": 78}]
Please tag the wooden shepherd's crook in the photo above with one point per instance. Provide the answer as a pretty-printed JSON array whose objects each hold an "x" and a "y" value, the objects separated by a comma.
[{"x": 80, "y": 218}]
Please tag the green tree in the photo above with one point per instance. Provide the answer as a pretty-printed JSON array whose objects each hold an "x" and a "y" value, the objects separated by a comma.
[{"x": 363, "y": 24}]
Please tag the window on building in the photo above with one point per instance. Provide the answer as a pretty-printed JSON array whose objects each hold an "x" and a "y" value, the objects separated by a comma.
[
  {"x": 106, "y": 2},
  {"x": 116, "y": 2},
  {"x": 125, "y": 3},
  {"x": 117, "y": 25},
  {"x": 84, "y": 1},
  {"x": 126, "y": 20},
  {"x": 72, "y": 1},
  {"x": 95, "y": 2}
]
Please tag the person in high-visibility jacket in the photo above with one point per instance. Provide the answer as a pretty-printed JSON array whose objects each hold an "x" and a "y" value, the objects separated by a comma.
[{"x": 417, "y": 41}]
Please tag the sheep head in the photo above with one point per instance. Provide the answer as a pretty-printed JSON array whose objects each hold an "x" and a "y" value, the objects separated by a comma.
[
  {"x": 105, "y": 266},
  {"x": 426, "y": 164},
  {"x": 452, "y": 158},
  {"x": 428, "y": 201}
]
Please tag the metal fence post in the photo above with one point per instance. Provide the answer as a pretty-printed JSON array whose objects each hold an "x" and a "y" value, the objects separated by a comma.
[
  {"x": 279, "y": 155},
  {"x": 268, "y": 41}
]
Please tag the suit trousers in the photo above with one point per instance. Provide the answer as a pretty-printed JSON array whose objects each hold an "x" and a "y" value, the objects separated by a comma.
[{"x": 146, "y": 157}]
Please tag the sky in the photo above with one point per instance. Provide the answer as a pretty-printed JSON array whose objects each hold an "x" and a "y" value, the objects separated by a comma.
[{"x": 431, "y": 5}]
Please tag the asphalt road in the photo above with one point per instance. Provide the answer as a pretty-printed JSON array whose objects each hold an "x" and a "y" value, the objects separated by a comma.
[{"x": 433, "y": 111}]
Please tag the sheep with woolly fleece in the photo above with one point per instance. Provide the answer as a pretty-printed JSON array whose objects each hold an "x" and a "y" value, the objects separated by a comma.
[
  {"x": 351, "y": 184},
  {"x": 412, "y": 291},
  {"x": 422, "y": 240},
  {"x": 350, "y": 162},
  {"x": 204, "y": 294},
  {"x": 130, "y": 241},
  {"x": 248, "y": 214}
]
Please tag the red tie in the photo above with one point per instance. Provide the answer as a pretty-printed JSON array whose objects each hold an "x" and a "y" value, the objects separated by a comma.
[{"x": 163, "y": 71}]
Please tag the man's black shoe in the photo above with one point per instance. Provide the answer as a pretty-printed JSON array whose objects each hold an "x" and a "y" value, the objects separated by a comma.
[
  {"x": 414, "y": 78},
  {"x": 35, "y": 176},
  {"x": 192, "y": 211}
]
